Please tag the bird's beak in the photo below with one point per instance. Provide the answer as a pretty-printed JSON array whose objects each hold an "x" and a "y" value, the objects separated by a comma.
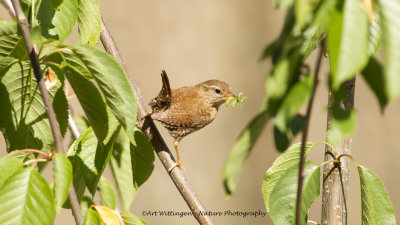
[{"x": 231, "y": 95}]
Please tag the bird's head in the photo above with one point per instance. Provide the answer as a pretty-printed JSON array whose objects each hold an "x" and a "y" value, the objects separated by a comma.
[{"x": 215, "y": 92}]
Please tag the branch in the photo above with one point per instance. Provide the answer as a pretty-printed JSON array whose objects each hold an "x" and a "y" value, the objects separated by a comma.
[
  {"x": 305, "y": 133},
  {"x": 23, "y": 23},
  {"x": 151, "y": 131},
  {"x": 336, "y": 180}
]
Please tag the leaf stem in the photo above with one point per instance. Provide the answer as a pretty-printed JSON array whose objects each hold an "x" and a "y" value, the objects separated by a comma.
[
  {"x": 32, "y": 50},
  {"x": 305, "y": 133},
  {"x": 55, "y": 51}
]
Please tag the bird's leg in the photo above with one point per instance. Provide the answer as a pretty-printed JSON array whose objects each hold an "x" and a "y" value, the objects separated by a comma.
[
  {"x": 149, "y": 114},
  {"x": 178, "y": 159}
]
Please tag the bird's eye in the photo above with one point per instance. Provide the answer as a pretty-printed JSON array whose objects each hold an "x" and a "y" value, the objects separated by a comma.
[{"x": 217, "y": 91}]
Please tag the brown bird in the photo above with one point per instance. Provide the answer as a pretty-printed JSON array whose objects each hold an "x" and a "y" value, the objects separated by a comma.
[{"x": 187, "y": 109}]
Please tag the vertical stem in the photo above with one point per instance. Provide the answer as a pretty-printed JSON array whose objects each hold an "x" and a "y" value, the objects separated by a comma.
[
  {"x": 305, "y": 134},
  {"x": 23, "y": 23},
  {"x": 336, "y": 180}
]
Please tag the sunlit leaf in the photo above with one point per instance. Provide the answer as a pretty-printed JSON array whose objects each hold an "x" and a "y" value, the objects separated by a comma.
[
  {"x": 62, "y": 179},
  {"x": 107, "y": 194},
  {"x": 129, "y": 219},
  {"x": 89, "y": 22},
  {"x": 91, "y": 218},
  {"x": 107, "y": 215},
  {"x": 376, "y": 207}
]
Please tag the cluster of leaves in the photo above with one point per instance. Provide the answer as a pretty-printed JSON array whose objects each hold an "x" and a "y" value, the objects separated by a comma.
[
  {"x": 279, "y": 189},
  {"x": 108, "y": 128},
  {"x": 351, "y": 32}
]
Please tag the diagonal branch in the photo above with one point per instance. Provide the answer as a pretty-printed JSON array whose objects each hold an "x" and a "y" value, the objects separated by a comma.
[
  {"x": 305, "y": 134},
  {"x": 23, "y": 23},
  {"x": 163, "y": 153}
]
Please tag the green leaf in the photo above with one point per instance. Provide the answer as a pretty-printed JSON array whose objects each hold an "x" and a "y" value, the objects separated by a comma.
[
  {"x": 390, "y": 10},
  {"x": 85, "y": 204},
  {"x": 142, "y": 159},
  {"x": 30, "y": 198},
  {"x": 62, "y": 179},
  {"x": 129, "y": 219},
  {"x": 13, "y": 46},
  {"x": 82, "y": 123},
  {"x": 281, "y": 164},
  {"x": 89, "y": 157},
  {"x": 8, "y": 166},
  {"x": 312, "y": 36},
  {"x": 8, "y": 27},
  {"x": 298, "y": 94},
  {"x": 376, "y": 207},
  {"x": 344, "y": 120},
  {"x": 283, "y": 196},
  {"x": 304, "y": 11},
  {"x": 89, "y": 22},
  {"x": 113, "y": 83},
  {"x": 374, "y": 33},
  {"x": 57, "y": 18},
  {"x": 5, "y": 64},
  {"x": 23, "y": 118},
  {"x": 91, "y": 218},
  {"x": 122, "y": 170},
  {"x": 347, "y": 42},
  {"x": 283, "y": 139},
  {"x": 100, "y": 118},
  {"x": 107, "y": 194},
  {"x": 241, "y": 150},
  {"x": 373, "y": 75}
]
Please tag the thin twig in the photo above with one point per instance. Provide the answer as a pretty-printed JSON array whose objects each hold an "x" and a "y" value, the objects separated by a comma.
[
  {"x": 157, "y": 141},
  {"x": 305, "y": 133},
  {"x": 23, "y": 23}
]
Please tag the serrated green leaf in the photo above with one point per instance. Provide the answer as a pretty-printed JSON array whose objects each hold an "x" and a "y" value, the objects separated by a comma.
[
  {"x": 5, "y": 63},
  {"x": 89, "y": 22},
  {"x": 113, "y": 83},
  {"x": 281, "y": 164},
  {"x": 241, "y": 150},
  {"x": 8, "y": 27},
  {"x": 62, "y": 179},
  {"x": 374, "y": 33},
  {"x": 89, "y": 157},
  {"x": 129, "y": 219},
  {"x": 142, "y": 159},
  {"x": 82, "y": 123},
  {"x": 297, "y": 95},
  {"x": 373, "y": 75},
  {"x": 391, "y": 45},
  {"x": 347, "y": 41},
  {"x": 57, "y": 18},
  {"x": 13, "y": 46},
  {"x": 100, "y": 118},
  {"x": 8, "y": 166},
  {"x": 107, "y": 194},
  {"x": 121, "y": 167},
  {"x": 283, "y": 196},
  {"x": 30, "y": 198},
  {"x": 376, "y": 207},
  {"x": 23, "y": 118},
  {"x": 91, "y": 218}
]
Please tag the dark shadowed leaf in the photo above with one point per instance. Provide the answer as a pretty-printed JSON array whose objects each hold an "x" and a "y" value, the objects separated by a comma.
[
  {"x": 283, "y": 140},
  {"x": 373, "y": 75},
  {"x": 142, "y": 159}
]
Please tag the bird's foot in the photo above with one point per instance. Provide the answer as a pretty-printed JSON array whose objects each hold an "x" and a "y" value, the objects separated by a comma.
[{"x": 177, "y": 164}]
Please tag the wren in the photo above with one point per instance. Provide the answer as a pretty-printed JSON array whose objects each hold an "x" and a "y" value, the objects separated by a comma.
[{"x": 187, "y": 109}]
